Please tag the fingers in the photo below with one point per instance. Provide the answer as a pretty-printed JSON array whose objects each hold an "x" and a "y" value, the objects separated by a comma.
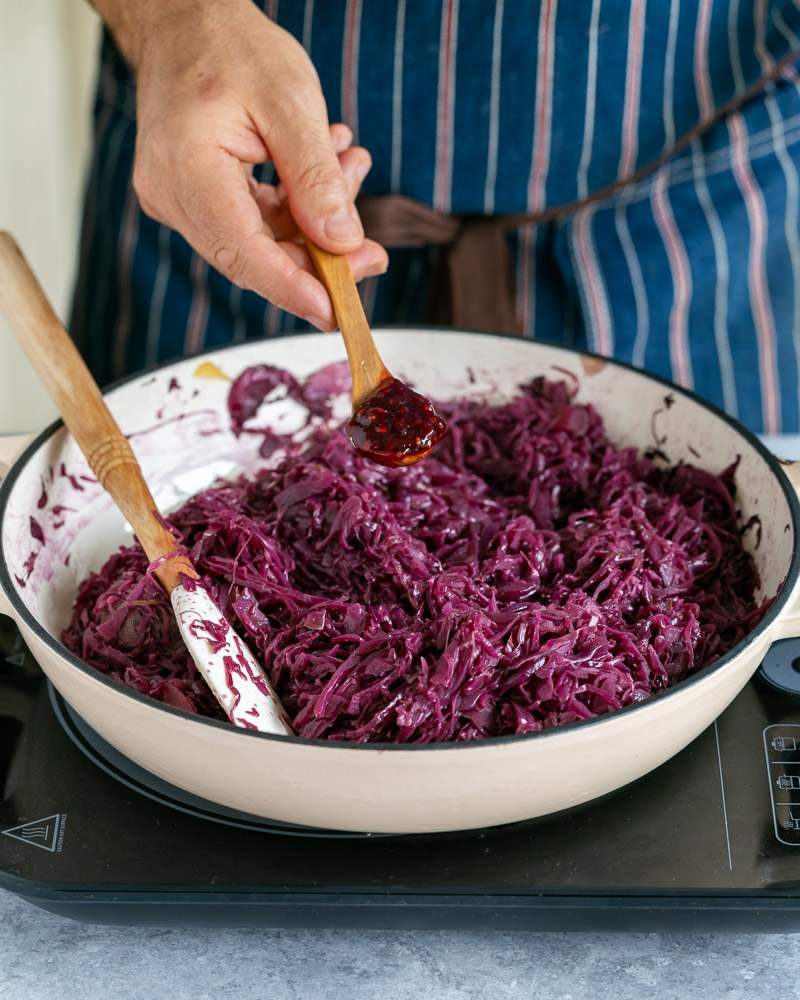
[
  {"x": 204, "y": 119},
  {"x": 223, "y": 223},
  {"x": 341, "y": 136},
  {"x": 369, "y": 260},
  {"x": 246, "y": 231},
  {"x": 356, "y": 164},
  {"x": 252, "y": 149},
  {"x": 304, "y": 151}
]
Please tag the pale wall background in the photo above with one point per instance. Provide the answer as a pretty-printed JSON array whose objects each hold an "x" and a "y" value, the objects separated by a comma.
[{"x": 47, "y": 70}]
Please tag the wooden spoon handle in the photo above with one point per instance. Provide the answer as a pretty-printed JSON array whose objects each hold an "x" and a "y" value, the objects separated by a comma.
[
  {"x": 72, "y": 388},
  {"x": 366, "y": 367}
]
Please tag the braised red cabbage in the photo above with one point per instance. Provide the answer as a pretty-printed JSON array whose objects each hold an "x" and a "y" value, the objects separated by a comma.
[{"x": 529, "y": 574}]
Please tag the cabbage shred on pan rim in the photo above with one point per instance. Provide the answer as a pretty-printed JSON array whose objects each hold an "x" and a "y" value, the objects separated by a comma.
[{"x": 527, "y": 575}]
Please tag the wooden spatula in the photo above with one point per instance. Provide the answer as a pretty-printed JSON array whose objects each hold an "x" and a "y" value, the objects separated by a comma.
[
  {"x": 391, "y": 424},
  {"x": 228, "y": 667}
]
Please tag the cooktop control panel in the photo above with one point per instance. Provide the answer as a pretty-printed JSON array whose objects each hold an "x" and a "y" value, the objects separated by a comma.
[{"x": 782, "y": 749}]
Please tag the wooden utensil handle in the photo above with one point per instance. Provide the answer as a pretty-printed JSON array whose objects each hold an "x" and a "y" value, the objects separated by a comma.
[
  {"x": 72, "y": 388},
  {"x": 366, "y": 366}
]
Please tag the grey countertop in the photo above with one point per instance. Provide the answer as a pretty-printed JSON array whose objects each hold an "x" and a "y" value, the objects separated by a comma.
[{"x": 43, "y": 957}]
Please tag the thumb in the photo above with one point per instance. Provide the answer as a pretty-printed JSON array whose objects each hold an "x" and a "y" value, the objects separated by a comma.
[{"x": 318, "y": 195}]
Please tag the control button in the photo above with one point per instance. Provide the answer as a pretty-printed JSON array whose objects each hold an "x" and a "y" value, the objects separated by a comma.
[{"x": 780, "y": 668}]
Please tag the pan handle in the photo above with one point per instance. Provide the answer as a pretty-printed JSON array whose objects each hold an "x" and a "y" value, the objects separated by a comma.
[{"x": 788, "y": 625}]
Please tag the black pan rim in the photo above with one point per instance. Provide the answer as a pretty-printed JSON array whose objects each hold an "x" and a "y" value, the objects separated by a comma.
[{"x": 495, "y": 742}]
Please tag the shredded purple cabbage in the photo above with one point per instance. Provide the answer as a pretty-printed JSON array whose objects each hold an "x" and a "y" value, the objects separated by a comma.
[{"x": 527, "y": 575}]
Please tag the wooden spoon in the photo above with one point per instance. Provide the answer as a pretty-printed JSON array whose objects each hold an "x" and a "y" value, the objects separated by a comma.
[
  {"x": 224, "y": 661},
  {"x": 391, "y": 424}
]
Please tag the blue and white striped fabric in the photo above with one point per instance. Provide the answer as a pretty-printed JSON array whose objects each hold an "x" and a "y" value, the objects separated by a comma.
[{"x": 691, "y": 271}]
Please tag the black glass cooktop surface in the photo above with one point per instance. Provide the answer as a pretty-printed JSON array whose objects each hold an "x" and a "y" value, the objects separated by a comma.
[{"x": 709, "y": 840}]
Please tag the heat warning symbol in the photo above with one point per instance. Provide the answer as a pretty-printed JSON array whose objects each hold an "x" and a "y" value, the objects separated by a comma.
[{"x": 47, "y": 833}]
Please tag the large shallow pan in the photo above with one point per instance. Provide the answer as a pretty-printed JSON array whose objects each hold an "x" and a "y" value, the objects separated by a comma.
[{"x": 179, "y": 430}]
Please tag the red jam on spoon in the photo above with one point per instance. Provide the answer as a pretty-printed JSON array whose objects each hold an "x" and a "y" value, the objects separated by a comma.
[{"x": 395, "y": 425}]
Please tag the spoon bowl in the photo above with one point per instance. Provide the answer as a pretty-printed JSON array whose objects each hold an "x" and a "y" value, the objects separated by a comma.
[{"x": 391, "y": 424}]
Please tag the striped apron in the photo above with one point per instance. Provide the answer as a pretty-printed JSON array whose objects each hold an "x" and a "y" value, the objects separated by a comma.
[{"x": 652, "y": 145}]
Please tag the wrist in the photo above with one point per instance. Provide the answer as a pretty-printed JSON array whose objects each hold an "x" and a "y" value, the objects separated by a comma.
[{"x": 136, "y": 26}]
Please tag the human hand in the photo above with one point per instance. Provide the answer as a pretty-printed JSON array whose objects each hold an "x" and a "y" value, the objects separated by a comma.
[{"x": 221, "y": 88}]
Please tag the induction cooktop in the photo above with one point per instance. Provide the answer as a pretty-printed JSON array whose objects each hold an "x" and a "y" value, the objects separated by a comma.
[{"x": 710, "y": 840}]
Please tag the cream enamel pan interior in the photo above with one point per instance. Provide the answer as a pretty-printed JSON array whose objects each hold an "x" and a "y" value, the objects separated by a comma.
[{"x": 181, "y": 437}]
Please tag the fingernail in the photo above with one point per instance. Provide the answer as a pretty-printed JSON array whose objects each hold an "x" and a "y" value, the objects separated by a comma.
[
  {"x": 381, "y": 266},
  {"x": 344, "y": 225},
  {"x": 363, "y": 169},
  {"x": 319, "y": 323}
]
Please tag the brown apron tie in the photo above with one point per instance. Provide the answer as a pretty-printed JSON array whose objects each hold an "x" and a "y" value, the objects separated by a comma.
[{"x": 474, "y": 286}]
